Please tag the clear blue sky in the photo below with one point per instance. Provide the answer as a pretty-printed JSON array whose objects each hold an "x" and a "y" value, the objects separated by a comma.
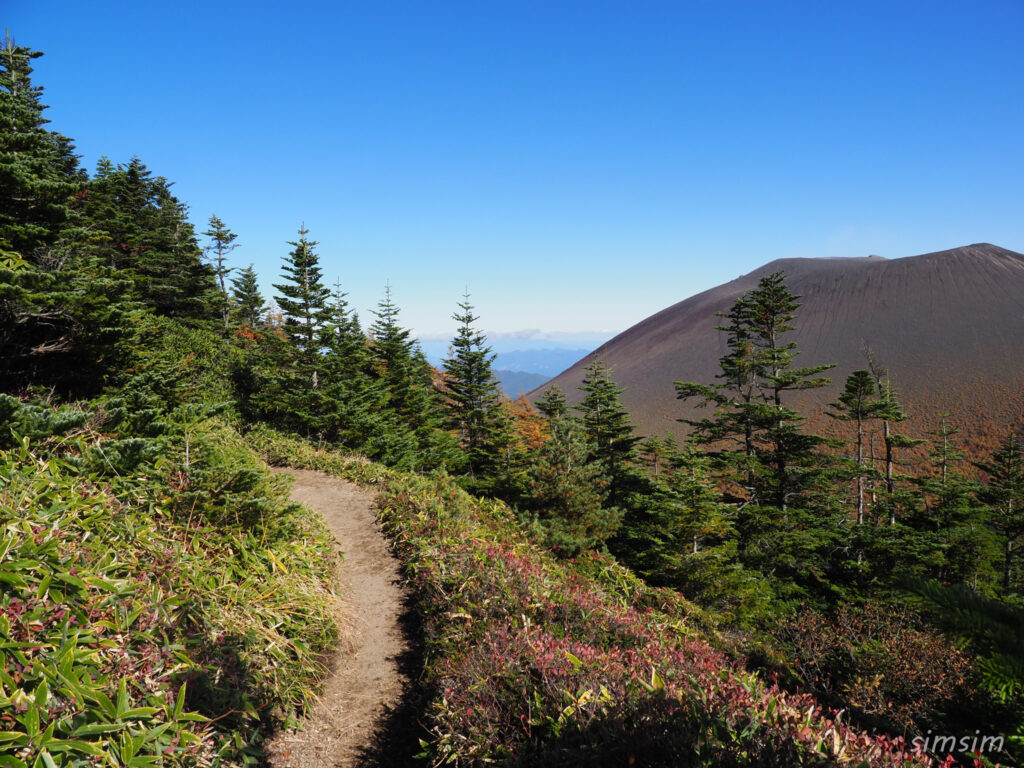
[{"x": 578, "y": 165}]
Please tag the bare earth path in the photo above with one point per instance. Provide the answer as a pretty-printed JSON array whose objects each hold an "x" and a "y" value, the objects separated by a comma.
[{"x": 365, "y": 682}]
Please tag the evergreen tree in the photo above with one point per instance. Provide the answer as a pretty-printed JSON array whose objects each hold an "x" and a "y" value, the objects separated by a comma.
[
  {"x": 891, "y": 412},
  {"x": 1004, "y": 493},
  {"x": 357, "y": 401},
  {"x": 222, "y": 243},
  {"x": 140, "y": 229},
  {"x": 552, "y": 404},
  {"x": 248, "y": 301},
  {"x": 398, "y": 362},
  {"x": 347, "y": 340},
  {"x": 566, "y": 492},
  {"x": 608, "y": 428},
  {"x": 473, "y": 402},
  {"x": 303, "y": 301},
  {"x": 858, "y": 404},
  {"x": 959, "y": 547},
  {"x": 39, "y": 171},
  {"x": 787, "y": 524},
  {"x": 689, "y": 542},
  {"x": 62, "y": 330}
]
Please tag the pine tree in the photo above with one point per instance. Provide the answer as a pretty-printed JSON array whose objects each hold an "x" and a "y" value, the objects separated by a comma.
[
  {"x": 38, "y": 168},
  {"x": 473, "y": 402},
  {"x": 222, "y": 243},
  {"x": 246, "y": 296}
]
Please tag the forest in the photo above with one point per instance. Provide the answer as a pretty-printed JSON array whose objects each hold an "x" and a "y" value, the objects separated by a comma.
[{"x": 753, "y": 595}]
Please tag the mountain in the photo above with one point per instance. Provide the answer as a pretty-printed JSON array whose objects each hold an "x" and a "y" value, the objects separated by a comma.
[
  {"x": 948, "y": 326},
  {"x": 515, "y": 383},
  {"x": 548, "y": 360}
]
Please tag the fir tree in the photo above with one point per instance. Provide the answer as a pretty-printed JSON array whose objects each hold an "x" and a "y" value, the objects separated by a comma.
[
  {"x": 347, "y": 340},
  {"x": 609, "y": 431},
  {"x": 473, "y": 402},
  {"x": 1004, "y": 493},
  {"x": 567, "y": 492},
  {"x": 140, "y": 229},
  {"x": 858, "y": 404},
  {"x": 398, "y": 362},
  {"x": 690, "y": 542},
  {"x": 303, "y": 301},
  {"x": 38, "y": 168},
  {"x": 222, "y": 243},
  {"x": 248, "y": 301},
  {"x": 952, "y": 523},
  {"x": 552, "y": 404},
  {"x": 787, "y": 523}
]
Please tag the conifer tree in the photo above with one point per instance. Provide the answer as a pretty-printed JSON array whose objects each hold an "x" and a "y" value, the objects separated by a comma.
[
  {"x": 347, "y": 340},
  {"x": 473, "y": 402},
  {"x": 303, "y": 301},
  {"x": 609, "y": 431},
  {"x": 222, "y": 243},
  {"x": 390, "y": 342},
  {"x": 858, "y": 404},
  {"x": 38, "y": 168},
  {"x": 248, "y": 301},
  {"x": 689, "y": 542},
  {"x": 141, "y": 230},
  {"x": 787, "y": 524},
  {"x": 552, "y": 404},
  {"x": 952, "y": 523},
  {"x": 1004, "y": 493},
  {"x": 566, "y": 492},
  {"x": 398, "y": 362}
]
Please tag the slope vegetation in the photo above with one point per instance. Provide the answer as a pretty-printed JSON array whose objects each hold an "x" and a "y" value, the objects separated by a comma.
[{"x": 534, "y": 661}]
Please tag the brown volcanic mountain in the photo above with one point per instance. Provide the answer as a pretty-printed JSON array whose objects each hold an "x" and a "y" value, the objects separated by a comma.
[{"x": 948, "y": 326}]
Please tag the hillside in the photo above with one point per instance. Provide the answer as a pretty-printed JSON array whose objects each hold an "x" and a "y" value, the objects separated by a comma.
[{"x": 947, "y": 326}]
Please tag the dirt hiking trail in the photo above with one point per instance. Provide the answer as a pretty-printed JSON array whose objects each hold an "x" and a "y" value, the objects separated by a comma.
[{"x": 366, "y": 681}]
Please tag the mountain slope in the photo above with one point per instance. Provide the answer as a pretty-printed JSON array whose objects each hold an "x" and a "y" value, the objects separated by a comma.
[{"x": 948, "y": 326}]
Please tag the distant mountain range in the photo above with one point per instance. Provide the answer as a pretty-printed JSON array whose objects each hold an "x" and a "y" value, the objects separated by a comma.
[
  {"x": 517, "y": 370},
  {"x": 948, "y": 326},
  {"x": 548, "y": 361},
  {"x": 516, "y": 383}
]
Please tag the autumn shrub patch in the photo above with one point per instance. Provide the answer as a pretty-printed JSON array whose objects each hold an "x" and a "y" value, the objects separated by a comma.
[{"x": 533, "y": 660}]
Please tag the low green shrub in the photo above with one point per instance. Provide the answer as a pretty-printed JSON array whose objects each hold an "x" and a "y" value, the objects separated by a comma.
[{"x": 170, "y": 614}]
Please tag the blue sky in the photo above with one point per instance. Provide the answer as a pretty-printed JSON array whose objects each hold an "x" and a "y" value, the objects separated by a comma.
[{"x": 579, "y": 166}]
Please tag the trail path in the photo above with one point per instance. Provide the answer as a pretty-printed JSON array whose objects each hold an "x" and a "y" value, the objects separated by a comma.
[{"x": 365, "y": 682}]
